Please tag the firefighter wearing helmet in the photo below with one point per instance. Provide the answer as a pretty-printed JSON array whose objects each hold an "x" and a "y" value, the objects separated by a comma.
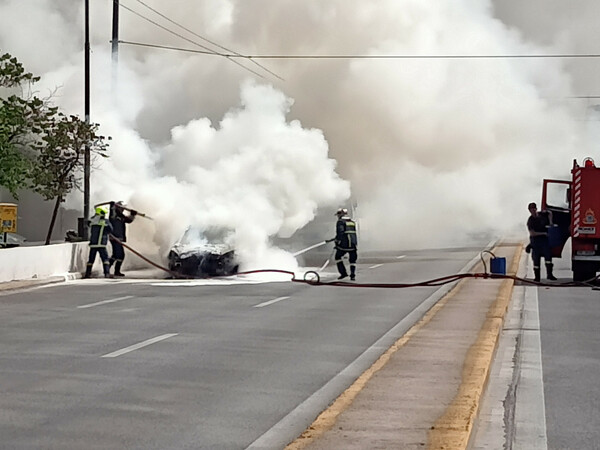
[
  {"x": 100, "y": 228},
  {"x": 119, "y": 220},
  {"x": 345, "y": 242}
]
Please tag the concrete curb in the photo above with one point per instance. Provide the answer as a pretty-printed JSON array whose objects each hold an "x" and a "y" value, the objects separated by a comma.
[
  {"x": 15, "y": 285},
  {"x": 452, "y": 431}
]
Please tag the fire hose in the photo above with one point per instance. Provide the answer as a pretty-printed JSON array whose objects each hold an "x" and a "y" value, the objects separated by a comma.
[
  {"x": 140, "y": 214},
  {"x": 313, "y": 278}
]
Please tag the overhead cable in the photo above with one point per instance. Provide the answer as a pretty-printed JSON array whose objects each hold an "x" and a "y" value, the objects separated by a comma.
[
  {"x": 207, "y": 50},
  {"x": 358, "y": 56},
  {"x": 532, "y": 56},
  {"x": 205, "y": 39}
]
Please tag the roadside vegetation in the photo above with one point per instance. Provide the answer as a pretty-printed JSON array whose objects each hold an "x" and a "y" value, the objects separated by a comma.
[{"x": 41, "y": 148}]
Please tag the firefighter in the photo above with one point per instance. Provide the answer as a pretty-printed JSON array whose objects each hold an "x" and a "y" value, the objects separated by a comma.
[
  {"x": 538, "y": 224},
  {"x": 100, "y": 228},
  {"x": 345, "y": 242},
  {"x": 119, "y": 220}
]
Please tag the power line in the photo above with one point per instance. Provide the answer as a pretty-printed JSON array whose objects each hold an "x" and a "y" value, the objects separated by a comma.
[
  {"x": 205, "y": 39},
  {"x": 357, "y": 56},
  {"x": 165, "y": 47},
  {"x": 420, "y": 56},
  {"x": 207, "y": 50}
]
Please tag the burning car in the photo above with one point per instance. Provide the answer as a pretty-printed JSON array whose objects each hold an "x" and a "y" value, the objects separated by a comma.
[{"x": 197, "y": 254}]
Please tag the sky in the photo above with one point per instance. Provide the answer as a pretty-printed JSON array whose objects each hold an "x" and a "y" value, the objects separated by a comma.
[{"x": 426, "y": 152}]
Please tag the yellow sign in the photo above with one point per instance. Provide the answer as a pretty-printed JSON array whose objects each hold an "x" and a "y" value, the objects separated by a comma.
[{"x": 8, "y": 218}]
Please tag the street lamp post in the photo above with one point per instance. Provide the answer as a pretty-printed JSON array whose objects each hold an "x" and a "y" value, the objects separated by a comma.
[
  {"x": 83, "y": 227},
  {"x": 115, "y": 38},
  {"x": 86, "y": 160}
]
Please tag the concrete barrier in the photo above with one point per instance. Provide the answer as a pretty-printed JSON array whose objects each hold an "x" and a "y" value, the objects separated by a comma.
[
  {"x": 26, "y": 263},
  {"x": 48, "y": 261}
]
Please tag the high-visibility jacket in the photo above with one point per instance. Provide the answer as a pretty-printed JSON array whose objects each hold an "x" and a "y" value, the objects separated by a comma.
[
  {"x": 100, "y": 228},
  {"x": 346, "y": 238}
]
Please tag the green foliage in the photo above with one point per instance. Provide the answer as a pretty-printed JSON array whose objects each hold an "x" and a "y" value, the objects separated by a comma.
[
  {"x": 12, "y": 72},
  {"x": 13, "y": 169},
  {"x": 61, "y": 155},
  {"x": 40, "y": 148}
]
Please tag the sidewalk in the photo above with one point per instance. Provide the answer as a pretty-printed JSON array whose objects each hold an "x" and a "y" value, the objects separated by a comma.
[
  {"x": 133, "y": 274},
  {"x": 424, "y": 391},
  {"x": 35, "y": 282}
]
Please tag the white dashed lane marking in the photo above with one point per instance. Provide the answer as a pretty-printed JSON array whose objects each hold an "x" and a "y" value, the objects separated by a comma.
[
  {"x": 105, "y": 302},
  {"x": 139, "y": 345},
  {"x": 379, "y": 265},
  {"x": 270, "y": 302}
]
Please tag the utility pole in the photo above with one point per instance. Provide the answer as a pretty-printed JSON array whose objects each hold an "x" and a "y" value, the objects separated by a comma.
[
  {"x": 86, "y": 161},
  {"x": 115, "y": 44}
]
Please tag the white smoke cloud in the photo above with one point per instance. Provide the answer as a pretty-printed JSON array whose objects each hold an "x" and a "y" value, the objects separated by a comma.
[
  {"x": 252, "y": 177},
  {"x": 436, "y": 150}
]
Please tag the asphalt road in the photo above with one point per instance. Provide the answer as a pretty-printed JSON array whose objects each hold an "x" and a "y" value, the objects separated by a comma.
[
  {"x": 157, "y": 364},
  {"x": 544, "y": 392}
]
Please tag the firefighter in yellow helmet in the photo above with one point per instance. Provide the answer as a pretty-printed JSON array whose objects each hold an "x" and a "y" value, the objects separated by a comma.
[
  {"x": 100, "y": 228},
  {"x": 346, "y": 241}
]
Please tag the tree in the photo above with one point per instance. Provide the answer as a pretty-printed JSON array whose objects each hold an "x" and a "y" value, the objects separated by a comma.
[
  {"x": 41, "y": 148},
  {"x": 61, "y": 158},
  {"x": 20, "y": 120}
]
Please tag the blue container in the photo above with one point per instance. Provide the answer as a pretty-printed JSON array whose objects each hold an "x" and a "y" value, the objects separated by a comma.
[
  {"x": 498, "y": 266},
  {"x": 555, "y": 237}
]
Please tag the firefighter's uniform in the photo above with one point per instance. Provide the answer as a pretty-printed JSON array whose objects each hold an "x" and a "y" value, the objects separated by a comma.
[
  {"x": 345, "y": 242},
  {"x": 100, "y": 228},
  {"x": 540, "y": 246},
  {"x": 118, "y": 221}
]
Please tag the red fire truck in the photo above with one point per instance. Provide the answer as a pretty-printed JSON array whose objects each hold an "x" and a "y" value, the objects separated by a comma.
[{"x": 577, "y": 219}]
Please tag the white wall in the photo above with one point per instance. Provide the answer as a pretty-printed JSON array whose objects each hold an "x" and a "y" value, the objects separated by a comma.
[
  {"x": 25, "y": 263},
  {"x": 44, "y": 261}
]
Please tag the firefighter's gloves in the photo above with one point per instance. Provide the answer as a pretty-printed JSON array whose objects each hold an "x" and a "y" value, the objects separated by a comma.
[
  {"x": 528, "y": 248},
  {"x": 133, "y": 213}
]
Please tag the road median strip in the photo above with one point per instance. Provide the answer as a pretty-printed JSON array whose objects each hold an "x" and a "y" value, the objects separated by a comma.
[
  {"x": 452, "y": 430},
  {"x": 328, "y": 417}
]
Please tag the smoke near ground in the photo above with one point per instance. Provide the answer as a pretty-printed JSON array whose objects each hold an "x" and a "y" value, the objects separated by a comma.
[{"x": 432, "y": 151}]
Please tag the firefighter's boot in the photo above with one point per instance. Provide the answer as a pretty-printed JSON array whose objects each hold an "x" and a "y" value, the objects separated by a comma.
[
  {"x": 342, "y": 270},
  {"x": 118, "y": 272},
  {"x": 352, "y": 272},
  {"x": 550, "y": 276},
  {"x": 106, "y": 268},
  {"x": 88, "y": 271},
  {"x": 536, "y": 273}
]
